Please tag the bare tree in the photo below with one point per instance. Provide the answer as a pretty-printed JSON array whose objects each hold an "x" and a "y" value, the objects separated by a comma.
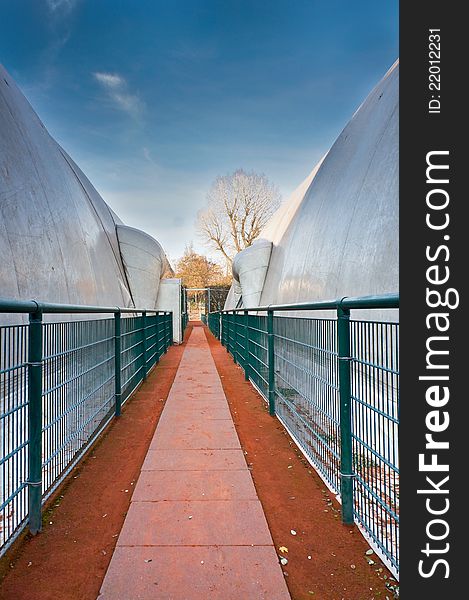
[{"x": 238, "y": 207}]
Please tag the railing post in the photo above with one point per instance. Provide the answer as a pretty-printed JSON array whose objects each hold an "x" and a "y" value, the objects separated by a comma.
[
  {"x": 144, "y": 344},
  {"x": 117, "y": 363},
  {"x": 270, "y": 361},
  {"x": 35, "y": 421},
  {"x": 346, "y": 459},
  {"x": 246, "y": 345}
]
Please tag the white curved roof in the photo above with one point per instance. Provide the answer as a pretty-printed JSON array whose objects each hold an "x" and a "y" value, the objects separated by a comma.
[
  {"x": 58, "y": 239},
  {"x": 337, "y": 235},
  {"x": 145, "y": 263}
]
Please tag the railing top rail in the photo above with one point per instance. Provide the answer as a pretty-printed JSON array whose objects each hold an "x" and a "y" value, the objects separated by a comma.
[
  {"x": 364, "y": 302},
  {"x": 8, "y": 305}
]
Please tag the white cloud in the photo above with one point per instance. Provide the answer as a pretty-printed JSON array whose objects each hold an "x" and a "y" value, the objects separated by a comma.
[
  {"x": 110, "y": 79},
  {"x": 63, "y": 5},
  {"x": 117, "y": 90}
]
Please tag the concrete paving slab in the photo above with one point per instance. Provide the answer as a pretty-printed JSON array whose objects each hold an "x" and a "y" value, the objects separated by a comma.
[
  {"x": 194, "y": 460},
  {"x": 213, "y": 413},
  {"x": 198, "y": 573},
  {"x": 212, "y": 523},
  {"x": 199, "y": 399},
  {"x": 180, "y": 388},
  {"x": 194, "y": 485},
  {"x": 219, "y": 436},
  {"x": 179, "y": 425},
  {"x": 189, "y": 422}
]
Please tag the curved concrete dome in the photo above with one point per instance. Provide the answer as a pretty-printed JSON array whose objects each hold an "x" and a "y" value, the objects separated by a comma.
[
  {"x": 249, "y": 271},
  {"x": 338, "y": 233},
  {"x": 145, "y": 263},
  {"x": 58, "y": 239}
]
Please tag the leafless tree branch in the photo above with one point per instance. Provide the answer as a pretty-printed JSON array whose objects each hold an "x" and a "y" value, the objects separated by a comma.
[{"x": 238, "y": 206}]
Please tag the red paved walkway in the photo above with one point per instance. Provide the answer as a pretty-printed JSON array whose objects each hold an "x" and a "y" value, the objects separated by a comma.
[{"x": 195, "y": 527}]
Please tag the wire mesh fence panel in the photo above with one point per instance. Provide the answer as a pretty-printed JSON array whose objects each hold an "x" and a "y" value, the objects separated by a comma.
[
  {"x": 229, "y": 341},
  {"x": 151, "y": 340},
  {"x": 13, "y": 431},
  {"x": 375, "y": 420},
  {"x": 169, "y": 330},
  {"x": 239, "y": 340},
  {"x": 257, "y": 352},
  {"x": 78, "y": 390},
  {"x": 160, "y": 337},
  {"x": 132, "y": 353},
  {"x": 306, "y": 386},
  {"x": 307, "y": 390},
  {"x": 214, "y": 324},
  {"x": 166, "y": 332}
]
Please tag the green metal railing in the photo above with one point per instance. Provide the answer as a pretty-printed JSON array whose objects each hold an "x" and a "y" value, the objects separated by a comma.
[
  {"x": 213, "y": 322},
  {"x": 60, "y": 385},
  {"x": 333, "y": 382}
]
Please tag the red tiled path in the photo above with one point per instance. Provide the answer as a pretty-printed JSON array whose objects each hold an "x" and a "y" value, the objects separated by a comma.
[{"x": 195, "y": 528}]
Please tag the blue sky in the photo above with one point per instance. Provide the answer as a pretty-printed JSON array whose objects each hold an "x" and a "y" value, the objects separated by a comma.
[{"x": 153, "y": 99}]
